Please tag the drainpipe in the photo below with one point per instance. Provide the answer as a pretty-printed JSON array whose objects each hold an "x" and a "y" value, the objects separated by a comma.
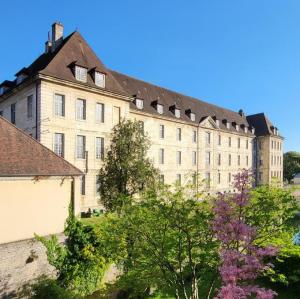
[
  {"x": 37, "y": 116},
  {"x": 197, "y": 174}
]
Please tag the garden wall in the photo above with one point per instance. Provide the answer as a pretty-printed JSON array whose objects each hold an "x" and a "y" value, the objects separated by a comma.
[{"x": 20, "y": 263}]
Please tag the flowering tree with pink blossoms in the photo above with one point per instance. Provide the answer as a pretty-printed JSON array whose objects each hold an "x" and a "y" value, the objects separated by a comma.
[{"x": 241, "y": 260}]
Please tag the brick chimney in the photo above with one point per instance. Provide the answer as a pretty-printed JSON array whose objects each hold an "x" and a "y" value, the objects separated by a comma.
[{"x": 57, "y": 35}]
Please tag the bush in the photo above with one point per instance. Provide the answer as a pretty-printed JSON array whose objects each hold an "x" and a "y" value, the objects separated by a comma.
[{"x": 50, "y": 289}]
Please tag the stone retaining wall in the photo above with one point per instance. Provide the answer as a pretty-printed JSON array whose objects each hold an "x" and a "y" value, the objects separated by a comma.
[{"x": 20, "y": 263}]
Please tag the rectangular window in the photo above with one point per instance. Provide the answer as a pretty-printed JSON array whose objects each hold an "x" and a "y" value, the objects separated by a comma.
[
  {"x": 219, "y": 159},
  {"x": 29, "y": 106},
  {"x": 178, "y": 134},
  {"x": 178, "y": 157},
  {"x": 239, "y": 160},
  {"x": 80, "y": 73},
  {"x": 97, "y": 184},
  {"x": 177, "y": 113},
  {"x": 260, "y": 176},
  {"x": 194, "y": 178},
  {"x": 194, "y": 158},
  {"x": 59, "y": 105},
  {"x": 239, "y": 142},
  {"x": 229, "y": 159},
  {"x": 13, "y": 113},
  {"x": 100, "y": 112},
  {"x": 178, "y": 179},
  {"x": 80, "y": 147},
  {"x": 59, "y": 142},
  {"x": 247, "y": 144},
  {"x": 116, "y": 115},
  {"x": 247, "y": 160},
  {"x": 207, "y": 158},
  {"x": 161, "y": 131},
  {"x": 194, "y": 136},
  {"x": 219, "y": 178},
  {"x": 229, "y": 177},
  {"x": 207, "y": 179},
  {"x": 100, "y": 148},
  {"x": 229, "y": 141},
  {"x": 161, "y": 156},
  {"x": 139, "y": 103},
  {"x": 162, "y": 179},
  {"x": 160, "y": 108},
  {"x": 80, "y": 109},
  {"x": 82, "y": 185},
  {"x": 207, "y": 137},
  {"x": 219, "y": 140},
  {"x": 100, "y": 79}
]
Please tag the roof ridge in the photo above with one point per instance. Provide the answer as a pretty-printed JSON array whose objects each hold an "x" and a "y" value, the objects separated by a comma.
[
  {"x": 39, "y": 143},
  {"x": 176, "y": 92}
]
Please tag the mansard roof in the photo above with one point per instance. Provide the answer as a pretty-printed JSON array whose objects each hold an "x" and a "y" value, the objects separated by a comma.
[
  {"x": 262, "y": 124},
  {"x": 21, "y": 155}
]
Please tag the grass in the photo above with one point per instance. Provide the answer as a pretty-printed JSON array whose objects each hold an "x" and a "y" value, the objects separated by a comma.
[{"x": 93, "y": 221}]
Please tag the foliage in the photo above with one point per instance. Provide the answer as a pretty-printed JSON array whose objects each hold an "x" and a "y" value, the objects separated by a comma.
[
  {"x": 127, "y": 170},
  {"x": 291, "y": 165},
  {"x": 170, "y": 246},
  {"x": 271, "y": 210},
  {"x": 79, "y": 262},
  {"x": 241, "y": 260},
  {"x": 49, "y": 289}
]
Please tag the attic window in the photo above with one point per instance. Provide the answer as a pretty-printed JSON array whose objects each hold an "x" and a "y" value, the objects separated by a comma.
[
  {"x": 237, "y": 127},
  {"x": 139, "y": 103},
  {"x": 246, "y": 129},
  {"x": 100, "y": 79},
  {"x": 1, "y": 91},
  {"x": 228, "y": 125},
  {"x": 177, "y": 112},
  {"x": 160, "y": 108},
  {"x": 192, "y": 116},
  {"x": 81, "y": 73},
  {"x": 217, "y": 123},
  {"x": 20, "y": 78}
]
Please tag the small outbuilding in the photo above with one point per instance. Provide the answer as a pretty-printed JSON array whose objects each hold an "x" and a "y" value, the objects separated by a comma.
[{"x": 36, "y": 187}]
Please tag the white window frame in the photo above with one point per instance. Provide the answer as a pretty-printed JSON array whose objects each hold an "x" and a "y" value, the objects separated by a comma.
[
  {"x": 59, "y": 145},
  {"x": 99, "y": 148},
  {"x": 194, "y": 158},
  {"x": 161, "y": 156},
  {"x": 59, "y": 111},
  {"x": 177, "y": 113},
  {"x": 139, "y": 103},
  {"x": 178, "y": 157},
  {"x": 81, "y": 73},
  {"x": 100, "y": 113},
  {"x": 80, "y": 111},
  {"x": 178, "y": 134},
  {"x": 100, "y": 79},
  {"x": 161, "y": 131},
  {"x": 80, "y": 155},
  {"x": 160, "y": 109}
]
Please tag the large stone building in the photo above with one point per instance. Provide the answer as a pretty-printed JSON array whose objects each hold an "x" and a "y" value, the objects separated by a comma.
[{"x": 70, "y": 101}]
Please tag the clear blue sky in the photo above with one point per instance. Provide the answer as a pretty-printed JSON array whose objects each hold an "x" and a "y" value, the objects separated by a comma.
[{"x": 233, "y": 53}]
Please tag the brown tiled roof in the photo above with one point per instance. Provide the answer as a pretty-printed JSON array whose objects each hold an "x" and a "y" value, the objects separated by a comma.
[
  {"x": 150, "y": 93},
  {"x": 58, "y": 63},
  {"x": 21, "y": 155},
  {"x": 74, "y": 49},
  {"x": 261, "y": 123}
]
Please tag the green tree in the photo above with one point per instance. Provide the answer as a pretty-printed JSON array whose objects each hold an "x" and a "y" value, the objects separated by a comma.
[
  {"x": 79, "y": 262},
  {"x": 173, "y": 248},
  {"x": 127, "y": 170},
  {"x": 291, "y": 165}
]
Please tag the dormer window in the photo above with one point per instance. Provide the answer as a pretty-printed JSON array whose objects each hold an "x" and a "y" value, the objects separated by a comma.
[
  {"x": 160, "y": 108},
  {"x": 253, "y": 130},
  {"x": 100, "y": 79},
  {"x": 218, "y": 123},
  {"x": 237, "y": 127},
  {"x": 21, "y": 75},
  {"x": 246, "y": 129},
  {"x": 190, "y": 114},
  {"x": 1, "y": 91},
  {"x": 80, "y": 73},
  {"x": 139, "y": 103},
  {"x": 175, "y": 110},
  {"x": 228, "y": 125}
]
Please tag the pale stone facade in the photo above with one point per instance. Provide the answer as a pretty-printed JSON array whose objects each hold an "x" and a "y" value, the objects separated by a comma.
[{"x": 207, "y": 148}]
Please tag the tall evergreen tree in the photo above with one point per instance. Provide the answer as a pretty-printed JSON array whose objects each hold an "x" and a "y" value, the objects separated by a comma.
[{"x": 127, "y": 170}]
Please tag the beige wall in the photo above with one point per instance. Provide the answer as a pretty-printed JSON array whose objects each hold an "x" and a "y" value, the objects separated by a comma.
[
  {"x": 270, "y": 153},
  {"x": 20, "y": 99},
  {"x": 71, "y": 127},
  {"x": 28, "y": 206}
]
